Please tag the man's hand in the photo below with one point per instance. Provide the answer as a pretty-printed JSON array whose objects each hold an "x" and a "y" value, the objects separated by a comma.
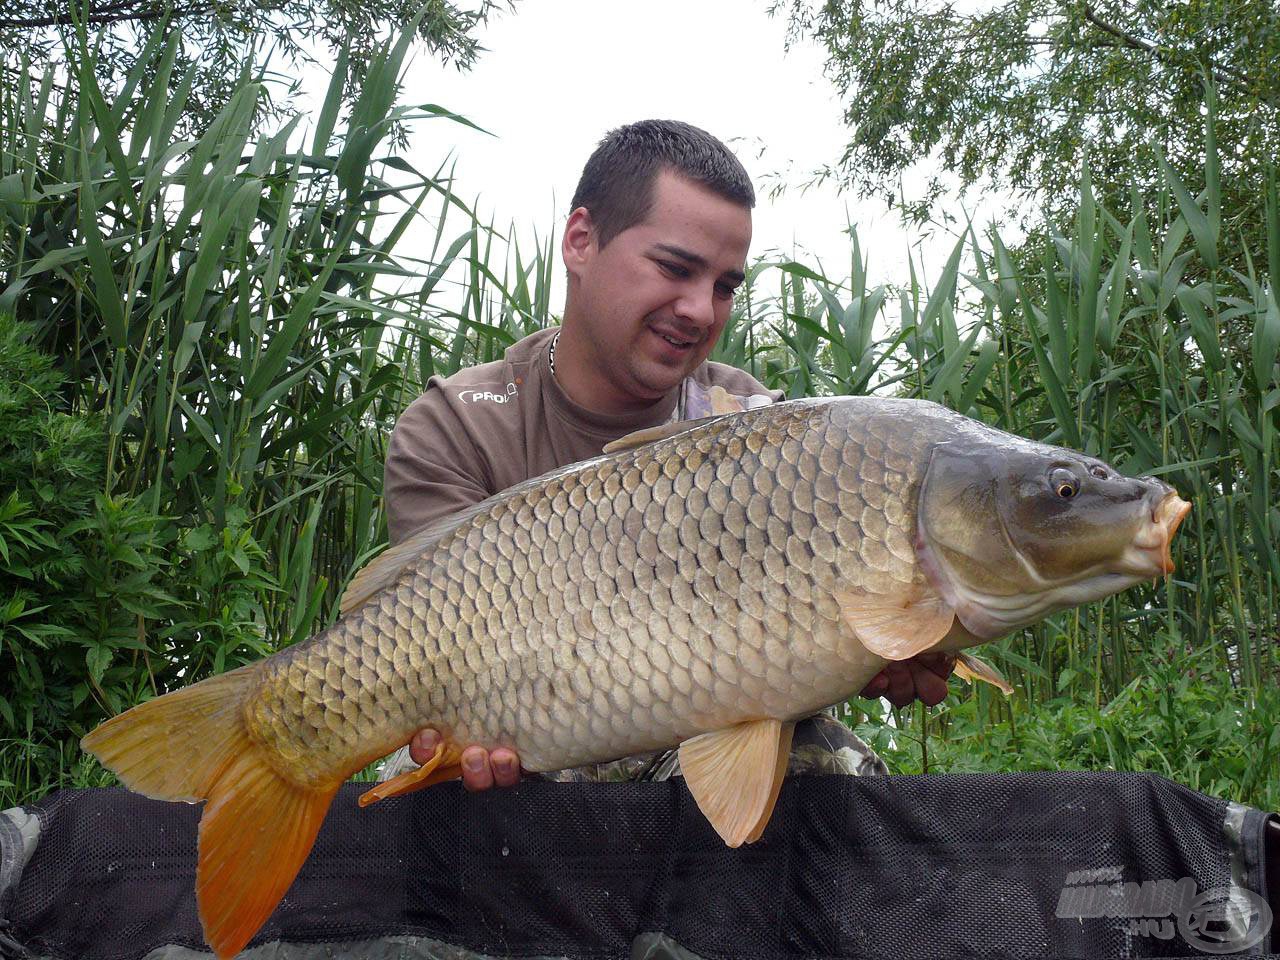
[
  {"x": 480, "y": 768},
  {"x": 924, "y": 676}
]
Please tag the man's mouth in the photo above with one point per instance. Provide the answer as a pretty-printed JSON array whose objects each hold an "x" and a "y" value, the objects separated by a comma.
[{"x": 677, "y": 341}]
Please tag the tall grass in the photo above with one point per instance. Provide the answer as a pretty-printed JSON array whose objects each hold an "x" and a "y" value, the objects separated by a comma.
[
  {"x": 242, "y": 315},
  {"x": 213, "y": 304}
]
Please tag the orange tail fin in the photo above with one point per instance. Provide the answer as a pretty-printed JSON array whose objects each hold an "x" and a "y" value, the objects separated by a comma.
[{"x": 258, "y": 826}]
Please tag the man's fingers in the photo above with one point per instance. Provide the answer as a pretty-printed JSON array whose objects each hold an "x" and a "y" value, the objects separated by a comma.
[
  {"x": 923, "y": 676},
  {"x": 423, "y": 746},
  {"x": 930, "y": 687},
  {"x": 878, "y": 685},
  {"x": 476, "y": 772},
  {"x": 929, "y": 674},
  {"x": 506, "y": 767},
  {"x": 480, "y": 769},
  {"x": 940, "y": 663},
  {"x": 901, "y": 690}
]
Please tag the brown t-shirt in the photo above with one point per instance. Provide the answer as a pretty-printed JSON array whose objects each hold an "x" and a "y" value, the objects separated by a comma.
[{"x": 489, "y": 427}]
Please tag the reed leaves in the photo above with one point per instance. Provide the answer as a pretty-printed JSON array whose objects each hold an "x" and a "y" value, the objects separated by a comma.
[{"x": 238, "y": 320}]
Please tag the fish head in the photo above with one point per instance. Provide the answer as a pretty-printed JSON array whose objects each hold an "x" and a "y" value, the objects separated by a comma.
[{"x": 1010, "y": 531}]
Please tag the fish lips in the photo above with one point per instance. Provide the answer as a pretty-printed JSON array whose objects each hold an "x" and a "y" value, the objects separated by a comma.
[{"x": 1150, "y": 555}]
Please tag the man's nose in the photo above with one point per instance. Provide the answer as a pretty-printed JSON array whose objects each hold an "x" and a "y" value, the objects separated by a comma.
[{"x": 697, "y": 305}]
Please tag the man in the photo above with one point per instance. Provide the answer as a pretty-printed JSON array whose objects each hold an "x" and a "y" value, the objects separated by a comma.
[{"x": 655, "y": 246}]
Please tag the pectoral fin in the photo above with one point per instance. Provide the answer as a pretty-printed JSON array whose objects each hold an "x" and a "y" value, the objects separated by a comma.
[
  {"x": 896, "y": 628},
  {"x": 735, "y": 775},
  {"x": 970, "y": 668}
]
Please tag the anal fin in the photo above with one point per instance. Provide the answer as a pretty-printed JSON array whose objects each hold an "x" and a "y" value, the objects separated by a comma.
[
  {"x": 444, "y": 764},
  {"x": 735, "y": 775},
  {"x": 779, "y": 773},
  {"x": 969, "y": 667}
]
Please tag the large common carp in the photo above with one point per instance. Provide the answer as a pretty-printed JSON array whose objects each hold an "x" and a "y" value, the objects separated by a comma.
[{"x": 703, "y": 585}]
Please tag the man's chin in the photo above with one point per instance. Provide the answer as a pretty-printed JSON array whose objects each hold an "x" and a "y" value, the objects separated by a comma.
[{"x": 659, "y": 378}]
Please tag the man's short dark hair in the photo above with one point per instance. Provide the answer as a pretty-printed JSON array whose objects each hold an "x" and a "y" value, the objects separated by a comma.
[{"x": 617, "y": 182}]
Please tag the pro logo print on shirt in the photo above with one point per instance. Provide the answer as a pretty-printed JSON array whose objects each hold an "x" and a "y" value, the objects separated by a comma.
[{"x": 472, "y": 396}]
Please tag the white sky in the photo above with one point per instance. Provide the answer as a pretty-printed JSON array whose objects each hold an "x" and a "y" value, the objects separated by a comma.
[{"x": 558, "y": 74}]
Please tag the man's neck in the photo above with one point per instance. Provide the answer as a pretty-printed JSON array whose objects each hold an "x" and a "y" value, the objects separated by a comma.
[{"x": 578, "y": 374}]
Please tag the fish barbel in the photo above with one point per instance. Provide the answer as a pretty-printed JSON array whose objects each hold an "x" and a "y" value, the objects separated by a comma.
[{"x": 705, "y": 584}]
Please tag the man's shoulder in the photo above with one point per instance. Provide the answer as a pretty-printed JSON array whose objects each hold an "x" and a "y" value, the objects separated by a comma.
[
  {"x": 475, "y": 400},
  {"x": 501, "y": 377},
  {"x": 466, "y": 428}
]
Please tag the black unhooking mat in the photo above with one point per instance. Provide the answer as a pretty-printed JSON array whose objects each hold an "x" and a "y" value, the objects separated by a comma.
[{"x": 1023, "y": 865}]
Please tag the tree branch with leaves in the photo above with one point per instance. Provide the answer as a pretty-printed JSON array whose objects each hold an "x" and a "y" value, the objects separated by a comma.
[
  {"x": 1016, "y": 93},
  {"x": 217, "y": 37}
]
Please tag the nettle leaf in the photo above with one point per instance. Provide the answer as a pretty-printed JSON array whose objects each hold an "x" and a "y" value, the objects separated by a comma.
[
  {"x": 199, "y": 538},
  {"x": 98, "y": 658}
]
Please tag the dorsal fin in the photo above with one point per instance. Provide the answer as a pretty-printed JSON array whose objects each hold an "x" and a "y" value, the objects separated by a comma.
[{"x": 653, "y": 434}]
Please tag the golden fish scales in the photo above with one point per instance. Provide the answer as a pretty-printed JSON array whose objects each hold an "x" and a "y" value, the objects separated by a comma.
[
  {"x": 621, "y": 606},
  {"x": 704, "y": 589}
]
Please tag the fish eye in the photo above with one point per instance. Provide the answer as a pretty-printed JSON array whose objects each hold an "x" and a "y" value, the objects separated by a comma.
[{"x": 1064, "y": 483}]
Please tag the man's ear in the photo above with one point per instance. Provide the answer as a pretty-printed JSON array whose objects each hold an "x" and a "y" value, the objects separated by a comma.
[{"x": 578, "y": 244}]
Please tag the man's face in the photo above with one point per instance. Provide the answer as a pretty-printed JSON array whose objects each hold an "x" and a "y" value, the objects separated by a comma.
[{"x": 653, "y": 302}]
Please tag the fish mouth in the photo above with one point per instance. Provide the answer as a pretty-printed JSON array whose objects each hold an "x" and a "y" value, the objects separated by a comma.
[{"x": 1149, "y": 555}]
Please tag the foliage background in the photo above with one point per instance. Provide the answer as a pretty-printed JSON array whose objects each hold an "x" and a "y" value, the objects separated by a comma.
[
  {"x": 216, "y": 43},
  {"x": 1012, "y": 93},
  {"x": 208, "y": 334}
]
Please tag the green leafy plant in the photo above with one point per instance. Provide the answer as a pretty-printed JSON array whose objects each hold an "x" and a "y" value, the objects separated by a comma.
[
  {"x": 239, "y": 326},
  {"x": 81, "y": 573}
]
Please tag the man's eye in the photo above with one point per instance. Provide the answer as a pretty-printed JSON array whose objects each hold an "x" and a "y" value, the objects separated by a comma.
[
  {"x": 675, "y": 269},
  {"x": 725, "y": 291}
]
